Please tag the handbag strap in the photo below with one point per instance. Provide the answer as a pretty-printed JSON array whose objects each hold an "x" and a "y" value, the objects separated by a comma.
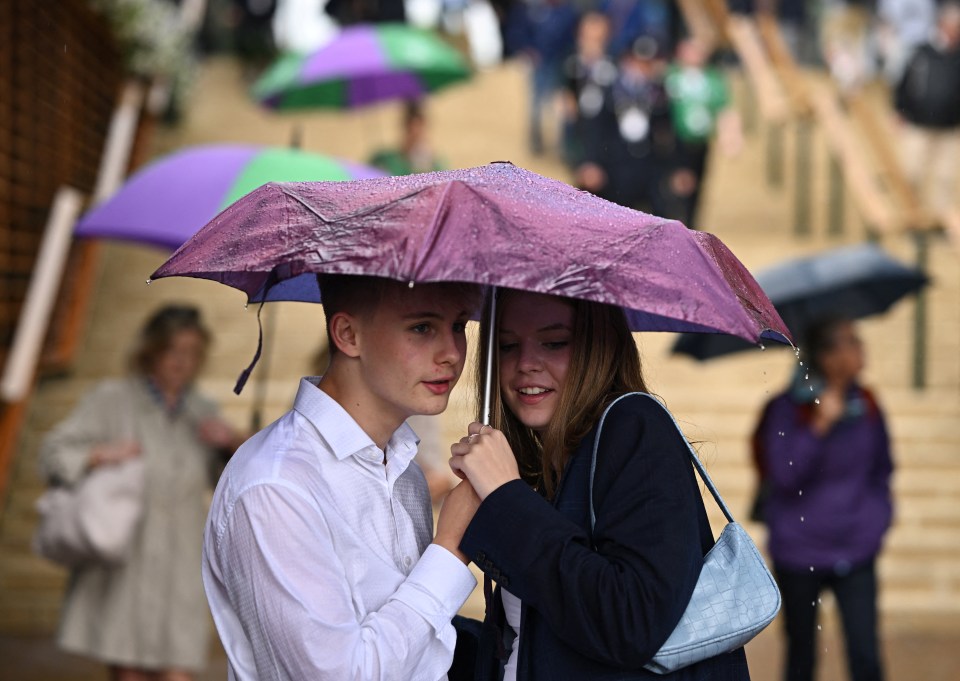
[{"x": 693, "y": 455}]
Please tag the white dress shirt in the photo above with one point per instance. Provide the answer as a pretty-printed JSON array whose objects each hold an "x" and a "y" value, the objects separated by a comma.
[{"x": 312, "y": 555}]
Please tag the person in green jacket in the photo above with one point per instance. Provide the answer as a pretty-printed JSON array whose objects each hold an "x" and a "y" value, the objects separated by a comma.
[
  {"x": 699, "y": 107},
  {"x": 414, "y": 154}
]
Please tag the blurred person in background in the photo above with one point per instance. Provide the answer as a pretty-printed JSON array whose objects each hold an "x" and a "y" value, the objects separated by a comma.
[
  {"x": 700, "y": 107},
  {"x": 904, "y": 25},
  {"x": 147, "y": 618},
  {"x": 414, "y": 155},
  {"x": 542, "y": 32},
  {"x": 825, "y": 453},
  {"x": 928, "y": 102},
  {"x": 589, "y": 122}
]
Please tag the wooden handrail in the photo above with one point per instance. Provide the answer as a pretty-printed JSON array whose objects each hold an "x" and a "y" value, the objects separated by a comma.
[
  {"x": 784, "y": 64},
  {"x": 915, "y": 215},
  {"x": 745, "y": 40},
  {"x": 841, "y": 138},
  {"x": 21, "y": 364}
]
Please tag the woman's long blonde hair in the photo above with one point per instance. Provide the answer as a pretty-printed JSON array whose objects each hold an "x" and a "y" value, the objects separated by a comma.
[{"x": 604, "y": 364}]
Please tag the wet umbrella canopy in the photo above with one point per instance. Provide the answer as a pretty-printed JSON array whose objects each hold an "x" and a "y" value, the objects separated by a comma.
[{"x": 495, "y": 225}]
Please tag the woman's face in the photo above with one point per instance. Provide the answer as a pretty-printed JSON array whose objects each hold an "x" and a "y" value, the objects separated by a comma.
[
  {"x": 180, "y": 363},
  {"x": 535, "y": 346},
  {"x": 845, "y": 359}
]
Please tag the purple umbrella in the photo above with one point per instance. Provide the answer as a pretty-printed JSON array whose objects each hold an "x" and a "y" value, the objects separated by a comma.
[
  {"x": 495, "y": 225},
  {"x": 363, "y": 64},
  {"x": 168, "y": 200}
]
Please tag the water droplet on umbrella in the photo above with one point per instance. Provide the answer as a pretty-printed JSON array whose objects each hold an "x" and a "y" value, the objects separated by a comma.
[
  {"x": 149, "y": 281},
  {"x": 816, "y": 400}
]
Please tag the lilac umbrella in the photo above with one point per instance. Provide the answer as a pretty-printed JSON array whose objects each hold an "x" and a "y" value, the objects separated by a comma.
[
  {"x": 167, "y": 201},
  {"x": 495, "y": 225}
]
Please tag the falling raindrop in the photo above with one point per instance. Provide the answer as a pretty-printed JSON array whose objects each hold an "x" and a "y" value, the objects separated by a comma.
[
  {"x": 816, "y": 400},
  {"x": 791, "y": 463},
  {"x": 811, "y": 568},
  {"x": 806, "y": 376},
  {"x": 781, "y": 433},
  {"x": 763, "y": 347},
  {"x": 801, "y": 363},
  {"x": 800, "y": 493},
  {"x": 819, "y": 627},
  {"x": 813, "y": 603},
  {"x": 802, "y": 519},
  {"x": 410, "y": 285}
]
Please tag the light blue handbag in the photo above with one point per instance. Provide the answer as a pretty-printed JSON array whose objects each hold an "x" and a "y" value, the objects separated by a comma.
[{"x": 735, "y": 598}]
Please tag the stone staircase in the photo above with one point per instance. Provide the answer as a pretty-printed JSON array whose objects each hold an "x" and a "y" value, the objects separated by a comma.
[{"x": 716, "y": 402}]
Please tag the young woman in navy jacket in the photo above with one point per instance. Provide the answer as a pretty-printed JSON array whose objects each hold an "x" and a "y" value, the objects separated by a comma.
[{"x": 571, "y": 603}]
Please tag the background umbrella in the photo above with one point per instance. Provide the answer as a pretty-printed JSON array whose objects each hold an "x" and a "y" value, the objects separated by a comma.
[
  {"x": 855, "y": 282},
  {"x": 168, "y": 200},
  {"x": 494, "y": 225},
  {"x": 364, "y": 64}
]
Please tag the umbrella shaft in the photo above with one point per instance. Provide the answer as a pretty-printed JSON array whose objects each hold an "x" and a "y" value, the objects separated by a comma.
[{"x": 488, "y": 368}]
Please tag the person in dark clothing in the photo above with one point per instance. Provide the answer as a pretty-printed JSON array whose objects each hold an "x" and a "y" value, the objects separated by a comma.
[
  {"x": 572, "y": 603},
  {"x": 632, "y": 137},
  {"x": 928, "y": 102},
  {"x": 541, "y": 31},
  {"x": 825, "y": 455},
  {"x": 700, "y": 109},
  {"x": 348, "y": 12}
]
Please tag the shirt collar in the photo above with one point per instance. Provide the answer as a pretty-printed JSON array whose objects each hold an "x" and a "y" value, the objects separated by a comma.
[{"x": 343, "y": 435}]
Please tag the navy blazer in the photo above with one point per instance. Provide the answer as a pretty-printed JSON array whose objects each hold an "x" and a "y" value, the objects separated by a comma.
[{"x": 600, "y": 606}]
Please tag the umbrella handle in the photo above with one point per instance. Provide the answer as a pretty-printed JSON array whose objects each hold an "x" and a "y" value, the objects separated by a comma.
[{"x": 488, "y": 368}]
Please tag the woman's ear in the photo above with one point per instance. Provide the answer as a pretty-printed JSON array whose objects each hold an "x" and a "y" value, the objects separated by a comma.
[{"x": 344, "y": 330}]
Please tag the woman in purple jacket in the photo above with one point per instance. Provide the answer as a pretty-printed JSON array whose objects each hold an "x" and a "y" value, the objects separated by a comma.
[
  {"x": 571, "y": 602},
  {"x": 825, "y": 453}
]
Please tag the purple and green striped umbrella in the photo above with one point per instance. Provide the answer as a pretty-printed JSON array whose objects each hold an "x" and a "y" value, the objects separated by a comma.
[
  {"x": 167, "y": 201},
  {"x": 364, "y": 64}
]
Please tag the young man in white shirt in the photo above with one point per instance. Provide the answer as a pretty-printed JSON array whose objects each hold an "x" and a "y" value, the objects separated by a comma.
[{"x": 312, "y": 552}]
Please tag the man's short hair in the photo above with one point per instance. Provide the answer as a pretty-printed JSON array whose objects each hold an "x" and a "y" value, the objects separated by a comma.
[{"x": 361, "y": 294}]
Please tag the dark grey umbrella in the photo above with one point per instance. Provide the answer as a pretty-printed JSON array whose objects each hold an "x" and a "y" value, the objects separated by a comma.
[{"x": 854, "y": 281}]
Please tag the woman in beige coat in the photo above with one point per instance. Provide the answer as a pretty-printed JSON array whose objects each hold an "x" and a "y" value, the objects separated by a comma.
[{"x": 146, "y": 618}]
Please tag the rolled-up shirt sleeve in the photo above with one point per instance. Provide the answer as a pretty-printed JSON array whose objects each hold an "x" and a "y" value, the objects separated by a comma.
[{"x": 275, "y": 561}]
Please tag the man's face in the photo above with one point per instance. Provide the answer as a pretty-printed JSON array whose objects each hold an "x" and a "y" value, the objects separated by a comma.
[{"x": 412, "y": 348}]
